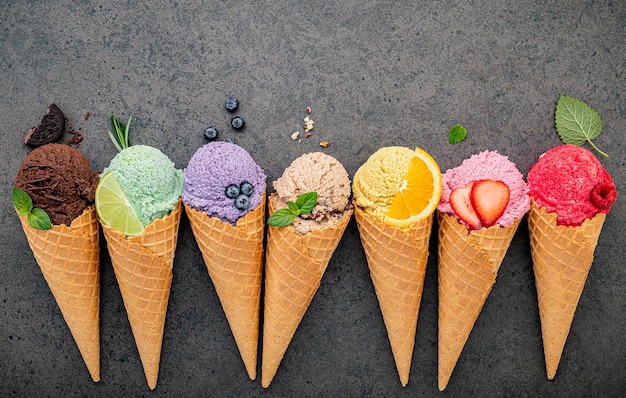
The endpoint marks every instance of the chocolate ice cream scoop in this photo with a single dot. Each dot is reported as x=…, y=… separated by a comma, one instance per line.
x=59, y=180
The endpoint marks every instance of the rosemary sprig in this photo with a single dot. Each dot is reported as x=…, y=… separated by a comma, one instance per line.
x=119, y=135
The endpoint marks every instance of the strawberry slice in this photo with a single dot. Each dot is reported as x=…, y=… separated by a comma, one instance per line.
x=462, y=205
x=489, y=199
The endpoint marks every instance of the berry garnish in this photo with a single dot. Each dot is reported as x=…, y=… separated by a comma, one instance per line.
x=242, y=202
x=231, y=104
x=603, y=195
x=462, y=206
x=237, y=122
x=489, y=199
x=246, y=188
x=232, y=191
x=210, y=133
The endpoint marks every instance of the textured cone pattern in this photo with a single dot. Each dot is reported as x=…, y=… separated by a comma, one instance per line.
x=234, y=259
x=293, y=271
x=69, y=260
x=468, y=266
x=143, y=268
x=562, y=257
x=397, y=261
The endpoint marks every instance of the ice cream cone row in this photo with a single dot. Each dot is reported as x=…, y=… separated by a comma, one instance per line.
x=69, y=261
x=294, y=268
x=562, y=257
x=468, y=266
x=233, y=256
x=397, y=262
x=143, y=268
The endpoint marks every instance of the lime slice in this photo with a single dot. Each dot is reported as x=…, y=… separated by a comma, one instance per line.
x=114, y=209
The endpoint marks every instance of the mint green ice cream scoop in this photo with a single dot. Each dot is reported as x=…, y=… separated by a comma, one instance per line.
x=149, y=180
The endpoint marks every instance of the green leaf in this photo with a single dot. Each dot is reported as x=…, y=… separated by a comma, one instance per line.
x=281, y=218
x=120, y=133
x=306, y=202
x=577, y=122
x=39, y=219
x=22, y=202
x=456, y=134
x=295, y=210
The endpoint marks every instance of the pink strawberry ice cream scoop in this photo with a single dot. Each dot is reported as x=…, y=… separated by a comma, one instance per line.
x=570, y=181
x=488, y=165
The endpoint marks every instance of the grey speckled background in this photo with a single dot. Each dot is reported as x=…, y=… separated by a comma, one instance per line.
x=375, y=74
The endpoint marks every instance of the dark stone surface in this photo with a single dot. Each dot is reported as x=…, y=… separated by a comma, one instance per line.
x=375, y=74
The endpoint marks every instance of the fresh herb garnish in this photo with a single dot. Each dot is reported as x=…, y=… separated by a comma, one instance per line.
x=37, y=218
x=303, y=205
x=119, y=135
x=577, y=122
x=456, y=134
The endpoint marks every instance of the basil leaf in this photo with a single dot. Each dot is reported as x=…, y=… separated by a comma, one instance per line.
x=281, y=218
x=306, y=202
x=456, y=134
x=22, y=202
x=39, y=219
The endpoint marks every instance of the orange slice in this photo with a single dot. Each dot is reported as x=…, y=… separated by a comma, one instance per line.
x=419, y=192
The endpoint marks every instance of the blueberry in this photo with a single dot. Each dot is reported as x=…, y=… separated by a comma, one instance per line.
x=237, y=122
x=210, y=133
x=242, y=202
x=246, y=188
x=232, y=191
x=231, y=104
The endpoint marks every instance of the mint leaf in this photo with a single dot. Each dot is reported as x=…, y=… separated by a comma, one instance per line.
x=39, y=219
x=456, y=134
x=281, y=218
x=306, y=202
x=22, y=202
x=303, y=205
x=295, y=210
x=577, y=122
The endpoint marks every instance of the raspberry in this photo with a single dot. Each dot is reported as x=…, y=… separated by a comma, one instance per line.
x=603, y=195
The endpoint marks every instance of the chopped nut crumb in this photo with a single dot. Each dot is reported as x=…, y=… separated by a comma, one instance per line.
x=324, y=144
x=307, y=135
x=295, y=135
x=308, y=109
x=308, y=124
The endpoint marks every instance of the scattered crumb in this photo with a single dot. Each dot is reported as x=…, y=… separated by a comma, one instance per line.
x=87, y=115
x=308, y=109
x=324, y=144
x=76, y=139
x=308, y=124
x=295, y=135
x=307, y=135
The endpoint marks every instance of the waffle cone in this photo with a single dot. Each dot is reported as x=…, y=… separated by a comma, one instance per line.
x=562, y=257
x=143, y=268
x=397, y=262
x=468, y=266
x=233, y=256
x=294, y=268
x=69, y=261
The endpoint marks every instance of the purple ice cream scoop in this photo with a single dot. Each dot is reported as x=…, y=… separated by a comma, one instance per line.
x=223, y=181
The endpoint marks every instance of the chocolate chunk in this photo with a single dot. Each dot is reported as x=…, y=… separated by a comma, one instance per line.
x=50, y=129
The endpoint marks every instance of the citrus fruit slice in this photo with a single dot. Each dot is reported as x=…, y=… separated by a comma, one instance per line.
x=114, y=209
x=419, y=193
